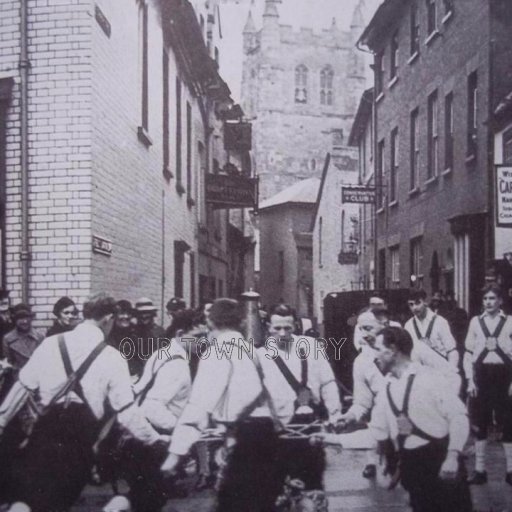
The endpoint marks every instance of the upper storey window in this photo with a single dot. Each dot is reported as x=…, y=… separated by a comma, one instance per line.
x=326, y=86
x=301, y=84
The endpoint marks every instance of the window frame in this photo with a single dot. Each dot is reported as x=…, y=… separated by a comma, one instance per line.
x=301, y=84
x=414, y=30
x=394, y=260
x=448, y=131
x=433, y=135
x=431, y=17
x=380, y=174
x=416, y=259
x=472, y=114
x=326, y=86
x=394, y=56
x=414, y=149
x=394, y=165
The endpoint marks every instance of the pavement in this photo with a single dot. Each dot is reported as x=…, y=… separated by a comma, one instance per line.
x=346, y=489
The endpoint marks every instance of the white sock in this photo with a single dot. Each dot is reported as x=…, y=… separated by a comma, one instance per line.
x=480, y=455
x=507, y=447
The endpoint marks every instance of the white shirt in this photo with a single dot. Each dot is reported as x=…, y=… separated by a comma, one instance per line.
x=223, y=388
x=320, y=381
x=476, y=340
x=166, y=398
x=368, y=382
x=107, y=378
x=434, y=407
x=441, y=339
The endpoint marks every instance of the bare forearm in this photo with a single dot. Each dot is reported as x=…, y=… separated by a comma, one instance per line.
x=13, y=402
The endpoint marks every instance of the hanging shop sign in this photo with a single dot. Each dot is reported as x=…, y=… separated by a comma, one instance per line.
x=237, y=136
x=504, y=196
x=231, y=191
x=364, y=195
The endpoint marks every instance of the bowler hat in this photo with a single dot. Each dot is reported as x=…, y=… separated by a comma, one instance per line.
x=175, y=304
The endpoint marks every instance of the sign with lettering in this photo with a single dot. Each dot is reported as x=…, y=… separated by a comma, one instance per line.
x=231, y=191
x=504, y=195
x=101, y=245
x=364, y=195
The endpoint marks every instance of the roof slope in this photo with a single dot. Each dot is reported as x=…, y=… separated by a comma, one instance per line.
x=305, y=191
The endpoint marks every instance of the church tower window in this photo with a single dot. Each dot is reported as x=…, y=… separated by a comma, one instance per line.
x=301, y=84
x=326, y=80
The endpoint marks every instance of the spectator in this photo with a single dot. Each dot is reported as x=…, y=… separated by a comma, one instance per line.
x=64, y=311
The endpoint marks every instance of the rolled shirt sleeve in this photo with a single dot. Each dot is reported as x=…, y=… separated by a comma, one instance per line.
x=363, y=396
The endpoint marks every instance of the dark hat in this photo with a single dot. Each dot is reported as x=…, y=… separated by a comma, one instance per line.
x=21, y=311
x=144, y=305
x=124, y=306
x=62, y=303
x=175, y=304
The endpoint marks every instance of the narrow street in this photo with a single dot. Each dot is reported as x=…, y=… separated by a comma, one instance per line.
x=347, y=490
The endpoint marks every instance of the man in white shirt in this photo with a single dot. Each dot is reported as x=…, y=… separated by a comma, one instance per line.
x=367, y=377
x=160, y=397
x=488, y=369
x=51, y=471
x=374, y=303
x=300, y=380
x=427, y=423
x=434, y=344
x=228, y=388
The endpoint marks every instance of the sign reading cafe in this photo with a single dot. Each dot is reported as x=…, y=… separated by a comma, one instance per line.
x=504, y=196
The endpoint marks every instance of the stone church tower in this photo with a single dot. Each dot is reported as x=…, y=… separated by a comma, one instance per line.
x=301, y=90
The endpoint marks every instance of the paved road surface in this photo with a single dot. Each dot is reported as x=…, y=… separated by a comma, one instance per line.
x=347, y=490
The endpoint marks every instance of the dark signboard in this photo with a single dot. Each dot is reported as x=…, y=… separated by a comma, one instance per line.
x=228, y=191
x=237, y=136
x=365, y=195
x=347, y=258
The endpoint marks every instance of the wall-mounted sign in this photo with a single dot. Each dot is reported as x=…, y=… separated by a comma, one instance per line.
x=101, y=245
x=504, y=196
x=348, y=258
x=228, y=191
x=237, y=136
x=102, y=20
x=354, y=194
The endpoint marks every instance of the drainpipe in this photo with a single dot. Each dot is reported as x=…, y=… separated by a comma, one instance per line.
x=24, y=68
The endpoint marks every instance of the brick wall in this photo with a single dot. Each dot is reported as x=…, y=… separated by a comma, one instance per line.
x=59, y=152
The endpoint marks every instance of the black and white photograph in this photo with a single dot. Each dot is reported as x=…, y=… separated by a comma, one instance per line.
x=255, y=255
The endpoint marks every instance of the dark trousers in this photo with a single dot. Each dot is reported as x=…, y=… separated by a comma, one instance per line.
x=50, y=472
x=140, y=466
x=492, y=381
x=250, y=479
x=429, y=493
x=299, y=459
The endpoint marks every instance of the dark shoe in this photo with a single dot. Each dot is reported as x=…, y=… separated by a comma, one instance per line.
x=478, y=478
x=370, y=471
x=204, y=482
x=508, y=478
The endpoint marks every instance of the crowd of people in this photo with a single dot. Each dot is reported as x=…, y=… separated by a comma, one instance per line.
x=114, y=396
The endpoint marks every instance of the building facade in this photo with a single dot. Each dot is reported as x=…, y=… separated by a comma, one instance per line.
x=110, y=119
x=300, y=88
x=286, y=253
x=439, y=68
x=336, y=232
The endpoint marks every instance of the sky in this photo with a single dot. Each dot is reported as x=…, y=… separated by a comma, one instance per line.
x=315, y=14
